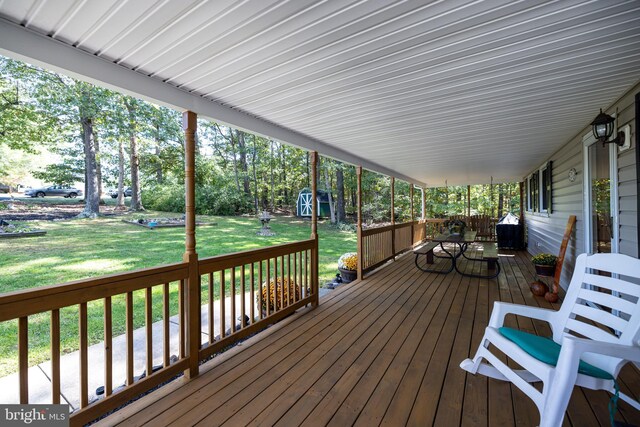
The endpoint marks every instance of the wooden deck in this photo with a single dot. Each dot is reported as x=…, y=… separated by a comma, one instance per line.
x=383, y=351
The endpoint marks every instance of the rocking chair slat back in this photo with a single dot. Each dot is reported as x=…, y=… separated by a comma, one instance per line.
x=613, y=284
x=593, y=310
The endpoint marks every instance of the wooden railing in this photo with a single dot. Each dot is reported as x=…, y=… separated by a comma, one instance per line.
x=226, y=275
x=483, y=224
x=257, y=287
x=380, y=244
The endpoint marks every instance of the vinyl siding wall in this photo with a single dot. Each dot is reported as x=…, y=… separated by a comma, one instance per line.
x=545, y=231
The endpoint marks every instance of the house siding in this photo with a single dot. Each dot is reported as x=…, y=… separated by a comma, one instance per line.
x=545, y=231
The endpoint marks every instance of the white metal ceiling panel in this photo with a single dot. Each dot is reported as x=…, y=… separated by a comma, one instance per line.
x=441, y=91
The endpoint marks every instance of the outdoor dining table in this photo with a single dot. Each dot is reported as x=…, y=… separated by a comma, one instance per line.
x=460, y=245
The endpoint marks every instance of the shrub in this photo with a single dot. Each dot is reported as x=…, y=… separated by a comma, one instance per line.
x=209, y=200
x=290, y=288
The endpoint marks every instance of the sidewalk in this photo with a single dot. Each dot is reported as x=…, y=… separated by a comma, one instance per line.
x=40, y=375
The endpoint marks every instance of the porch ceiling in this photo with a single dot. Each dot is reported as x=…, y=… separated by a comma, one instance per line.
x=452, y=90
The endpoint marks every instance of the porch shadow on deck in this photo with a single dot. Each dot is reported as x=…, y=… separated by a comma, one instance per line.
x=380, y=351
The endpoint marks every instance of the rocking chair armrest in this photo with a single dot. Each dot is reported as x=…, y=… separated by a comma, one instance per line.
x=501, y=309
x=578, y=346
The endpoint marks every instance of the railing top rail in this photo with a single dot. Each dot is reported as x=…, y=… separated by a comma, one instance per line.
x=221, y=262
x=405, y=224
x=383, y=228
x=33, y=301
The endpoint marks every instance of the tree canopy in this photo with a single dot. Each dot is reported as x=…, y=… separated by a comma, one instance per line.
x=109, y=140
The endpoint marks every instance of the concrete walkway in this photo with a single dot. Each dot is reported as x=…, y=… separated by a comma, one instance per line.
x=40, y=375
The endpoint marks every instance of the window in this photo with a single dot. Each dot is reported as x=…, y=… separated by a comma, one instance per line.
x=532, y=192
x=539, y=190
x=545, y=188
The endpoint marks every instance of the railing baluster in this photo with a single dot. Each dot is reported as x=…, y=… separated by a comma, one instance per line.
x=268, y=306
x=108, y=349
x=306, y=275
x=181, y=320
x=211, y=312
x=261, y=302
x=295, y=274
x=129, y=335
x=84, y=356
x=233, y=300
x=243, y=322
x=291, y=280
x=222, y=304
x=282, y=277
x=23, y=359
x=149, y=324
x=166, y=345
x=55, y=355
x=252, y=297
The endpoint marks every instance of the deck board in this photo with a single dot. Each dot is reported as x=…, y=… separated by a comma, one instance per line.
x=383, y=351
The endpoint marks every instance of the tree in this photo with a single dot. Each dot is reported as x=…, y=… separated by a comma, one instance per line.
x=132, y=106
x=340, y=193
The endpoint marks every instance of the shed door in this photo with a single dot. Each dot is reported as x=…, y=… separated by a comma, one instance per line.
x=305, y=204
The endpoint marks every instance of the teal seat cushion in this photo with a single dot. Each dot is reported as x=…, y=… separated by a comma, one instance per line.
x=546, y=350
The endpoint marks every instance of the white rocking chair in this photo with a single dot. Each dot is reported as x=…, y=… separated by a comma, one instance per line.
x=590, y=343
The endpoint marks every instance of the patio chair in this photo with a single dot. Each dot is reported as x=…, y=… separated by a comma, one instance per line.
x=589, y=345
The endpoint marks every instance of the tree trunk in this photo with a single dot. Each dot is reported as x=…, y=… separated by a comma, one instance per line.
x=242, y=146
x=500, y=200
x=159, y=177
x=120, y=201
x=91, y=197
x=285, y=192
x=98, y=168
x=308, y=172
x=273, y=188
x=235, y=162
x=255, y=176
x=340, y=191
x=136, y=200
x=332, y=210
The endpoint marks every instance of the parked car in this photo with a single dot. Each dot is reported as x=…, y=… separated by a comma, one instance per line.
x=4, y=188
x=54, y=190
x=114, y=193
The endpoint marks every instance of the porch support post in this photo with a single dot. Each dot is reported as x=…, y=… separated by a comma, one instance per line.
x=468, y=201
x=192, y=297
x=521, y=185
x=314, y=226
x=393, y=215
x=413, y=213
x=360, y=242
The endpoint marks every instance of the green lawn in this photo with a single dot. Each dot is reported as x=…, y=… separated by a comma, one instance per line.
x=76, y=249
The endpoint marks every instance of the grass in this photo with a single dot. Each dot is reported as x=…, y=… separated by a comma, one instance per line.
x=81, y=248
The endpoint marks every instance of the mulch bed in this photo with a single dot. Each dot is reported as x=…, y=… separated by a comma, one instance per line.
x=21, y=211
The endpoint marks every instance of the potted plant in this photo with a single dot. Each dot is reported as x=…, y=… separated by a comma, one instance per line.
x=545, y=264
x=348, y=266
x=456, y=227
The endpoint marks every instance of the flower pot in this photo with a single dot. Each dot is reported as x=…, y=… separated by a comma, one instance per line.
x=348, y=276
x=545, y=270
